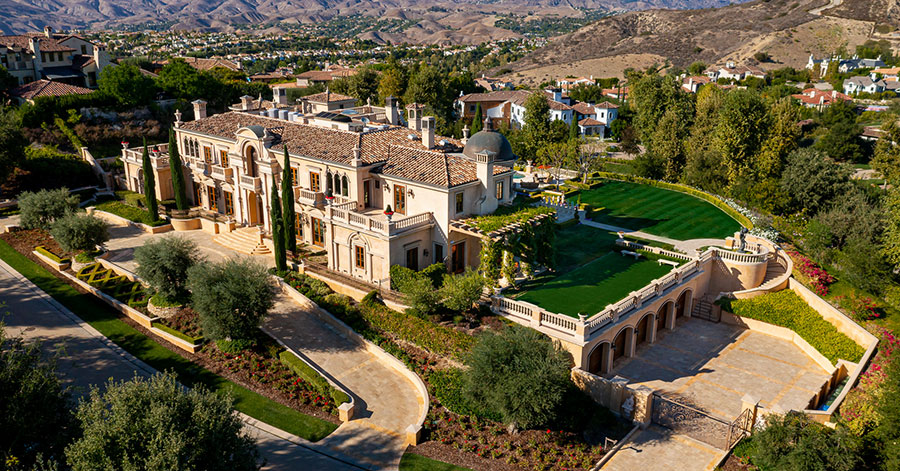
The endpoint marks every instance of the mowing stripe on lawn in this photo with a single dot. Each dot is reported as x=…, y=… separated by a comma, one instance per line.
x=106, y=320
x=414, y=462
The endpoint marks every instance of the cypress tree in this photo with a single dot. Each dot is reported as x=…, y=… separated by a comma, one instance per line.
x=177, y=173
x=287, y=199
x=477, y=124
x=573, y=128
x=278, y=231
x=149, y=185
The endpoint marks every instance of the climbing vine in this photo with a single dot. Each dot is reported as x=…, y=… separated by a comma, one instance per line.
x=490, y=260
x=534, y=243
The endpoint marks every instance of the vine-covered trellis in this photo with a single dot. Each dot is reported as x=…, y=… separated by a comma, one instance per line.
x=533, y=242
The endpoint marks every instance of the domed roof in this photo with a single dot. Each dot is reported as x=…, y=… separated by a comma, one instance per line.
x=490, y=141
x=257, y=129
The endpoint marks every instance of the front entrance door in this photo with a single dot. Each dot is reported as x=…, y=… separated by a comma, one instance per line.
x=252, y=208
x=412, y=258
x=458, y=257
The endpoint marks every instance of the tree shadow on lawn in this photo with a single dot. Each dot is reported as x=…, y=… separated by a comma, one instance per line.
x=605, y=216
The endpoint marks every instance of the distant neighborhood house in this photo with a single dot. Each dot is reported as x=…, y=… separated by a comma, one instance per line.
x=63, y=58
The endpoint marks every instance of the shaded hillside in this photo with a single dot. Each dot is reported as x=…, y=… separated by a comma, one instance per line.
x=877, y=11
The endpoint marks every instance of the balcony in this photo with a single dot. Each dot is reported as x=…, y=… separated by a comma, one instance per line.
x=375, y=221
x=159, y=155
x=225, y=174
x=253, y=184
x=309, y=197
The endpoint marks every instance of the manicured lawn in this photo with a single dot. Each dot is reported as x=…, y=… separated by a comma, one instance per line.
x=105, y=319
x=579, y=244
x=589, y=289
x=657, y=211
x=414, y=462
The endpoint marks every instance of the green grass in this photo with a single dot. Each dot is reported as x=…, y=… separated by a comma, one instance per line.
x=580, y=244
x=106, y=321
x=132, y=213
x=414, y=462
x=589, y=289
x=657, y=211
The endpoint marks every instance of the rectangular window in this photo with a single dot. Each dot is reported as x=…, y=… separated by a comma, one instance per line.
x=438, y=253
x=400, y=199
x=43, y=57
x=460, y=206
x=412, y=259
x=360, y=257
x=500, y=190
x=318, y=230
x=198, y=198
x=223, y=158
x=314, y=184
x=207, y=155
x=295, y=179
x=213, y=203
x=229, y=202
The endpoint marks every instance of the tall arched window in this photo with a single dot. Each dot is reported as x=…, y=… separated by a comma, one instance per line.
x=186, y=147
x=345, y=186
x=337, y=184
x=250, y=164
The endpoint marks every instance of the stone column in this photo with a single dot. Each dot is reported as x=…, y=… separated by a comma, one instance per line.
x=651, y=325
x=670, y=317
x=629, y=343
x=608, y=363
x=751, y=403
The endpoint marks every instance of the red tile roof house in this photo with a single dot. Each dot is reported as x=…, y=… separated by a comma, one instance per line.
x=820, y=99
x=347, y=172
x=42, y=88
x=56, y=57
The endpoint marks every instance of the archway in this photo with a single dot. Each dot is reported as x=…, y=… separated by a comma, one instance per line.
x=684, y=303
x=620, y=343
x=662, y=316
x=250, y=164
x=599, y=359
x=642, y=331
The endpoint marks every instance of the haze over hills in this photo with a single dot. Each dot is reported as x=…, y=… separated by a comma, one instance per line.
x=787, y=30
x=460, y=21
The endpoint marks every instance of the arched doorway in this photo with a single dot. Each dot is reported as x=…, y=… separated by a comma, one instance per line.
x=250, y=164
x=598, y=359
x=642, y=331
x=662, y=316
x=620, y=343
x=683, y=304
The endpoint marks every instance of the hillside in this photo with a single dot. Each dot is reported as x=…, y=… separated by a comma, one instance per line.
x=459, y=21
x=784, y=29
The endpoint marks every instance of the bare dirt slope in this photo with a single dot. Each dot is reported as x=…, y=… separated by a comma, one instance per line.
x=784, y=29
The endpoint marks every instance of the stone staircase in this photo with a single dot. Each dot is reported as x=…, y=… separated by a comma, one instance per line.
x=703, y=309
x=774, y=269
x=246, y=240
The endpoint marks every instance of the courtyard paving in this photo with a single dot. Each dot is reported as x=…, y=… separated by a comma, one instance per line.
x=712, y=366
x=659, y=449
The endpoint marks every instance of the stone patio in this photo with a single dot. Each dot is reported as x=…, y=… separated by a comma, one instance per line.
x=712, y=366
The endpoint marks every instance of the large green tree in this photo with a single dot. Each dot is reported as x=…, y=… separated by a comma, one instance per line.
x=34, y=405
x=183, y=81
x=157, y=425
x=12, y=142
x=477, y=120
x=811, y=180
x=887, y=163
x=164, y=264
x=39, y=210
x=536, y=128
x=842, y=142
x=127, y=85
x=502, y=366
x=427, y=86
x=742, y=124
x=651, y=95
x=277, y=223
x=287, y=199
x=363, y=85
x=177, y=172
x=782, y=139
x=149, y=184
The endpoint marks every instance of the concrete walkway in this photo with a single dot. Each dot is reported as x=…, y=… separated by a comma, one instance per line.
x=91, y=359
x=659, y=449
x=386, y=401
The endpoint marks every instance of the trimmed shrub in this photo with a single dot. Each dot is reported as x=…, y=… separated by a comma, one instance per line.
x=52, y=256
x=400, y=275
x=80, y=232
x=231, y=298
x=312, y=377
x=435, y=272
x=164, y=264
x=448, y=387
x=131, y=213
x=787, y=309
x=39, y=210
x=460, y=292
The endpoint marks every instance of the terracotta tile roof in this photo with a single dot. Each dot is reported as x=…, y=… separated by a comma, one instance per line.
x=814, y=96
x=23, y=41
x=499, y=96
x=326, y=75
x=328, y=97
x=584, y=108
x=207, y=64
x=607, y=105
x=40, y=88
x=81, y=61
x=591, y=122
x=555, y=105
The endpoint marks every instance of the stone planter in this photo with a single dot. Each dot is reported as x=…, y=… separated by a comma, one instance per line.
x=77, y=266
x=163, y=312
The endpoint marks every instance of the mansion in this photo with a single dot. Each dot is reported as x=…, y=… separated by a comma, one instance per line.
x=368, y=190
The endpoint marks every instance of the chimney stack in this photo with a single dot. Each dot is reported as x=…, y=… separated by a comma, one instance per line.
x=390, y=111
x=48, y=31
x=35, y=45
x=280, y=96
x=428, y=132
x=199, y=109
x=246, y=102
x=415, y=116
x=357, y=157
x=465, y=131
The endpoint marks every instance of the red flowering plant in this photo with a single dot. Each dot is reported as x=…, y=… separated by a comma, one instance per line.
x=861, y=308
x=859, y=409
x=818, y=277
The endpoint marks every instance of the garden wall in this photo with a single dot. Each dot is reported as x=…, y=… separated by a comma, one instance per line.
x=120, y=221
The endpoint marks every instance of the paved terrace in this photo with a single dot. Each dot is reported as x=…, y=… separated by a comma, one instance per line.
x=712, y=366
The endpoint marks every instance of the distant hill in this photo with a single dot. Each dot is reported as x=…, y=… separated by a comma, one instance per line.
x=786, y=30
x=458, y=21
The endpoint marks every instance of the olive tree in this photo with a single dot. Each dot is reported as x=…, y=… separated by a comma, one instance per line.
x=164, y=264
x=461, y=291
x=39, y=210
x=79, y=232
x=156, y=424
x=231, y=298
x=520, y=374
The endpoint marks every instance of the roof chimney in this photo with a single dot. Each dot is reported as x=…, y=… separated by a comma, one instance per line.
x=35, y=44
x=48, y=31
x=357, y=157
x=281, y=96
x=390, y=110
x=415, y=116
x=465, y=131
x=428, y=132
x=246, y=102
x=199, y=109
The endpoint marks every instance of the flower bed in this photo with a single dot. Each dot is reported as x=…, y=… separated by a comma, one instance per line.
x=787, y=309
x=312, y=377
x=817, y=276
x=859, y=409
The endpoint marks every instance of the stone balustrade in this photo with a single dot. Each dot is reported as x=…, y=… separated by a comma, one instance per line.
x=251, y=183
x=343, y=214
x=222, y=173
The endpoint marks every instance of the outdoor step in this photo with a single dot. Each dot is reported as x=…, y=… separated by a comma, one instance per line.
x=244, y=240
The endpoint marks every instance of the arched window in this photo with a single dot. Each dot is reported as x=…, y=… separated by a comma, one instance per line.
x=345, y=186
x=250, y=164
x=185, y=149
x=337, y=184
x=328, y=182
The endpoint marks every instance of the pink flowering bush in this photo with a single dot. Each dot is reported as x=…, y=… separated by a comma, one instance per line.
x=859, y=409
x=818, y=277
x=861, y=308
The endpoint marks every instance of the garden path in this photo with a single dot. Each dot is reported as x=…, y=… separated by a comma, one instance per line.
x=386, y=401
x=89, y=359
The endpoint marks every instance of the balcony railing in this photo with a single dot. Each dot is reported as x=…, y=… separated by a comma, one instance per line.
x=158, y=159
x=251, y=183
x=222, y=173
x=377, y=224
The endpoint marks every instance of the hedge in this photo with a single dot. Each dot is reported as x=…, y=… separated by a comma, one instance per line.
x=714, y=200
x=56, y=258
x=312, y=377
x=177, y=333
x=786, y=309
x=129, y=212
